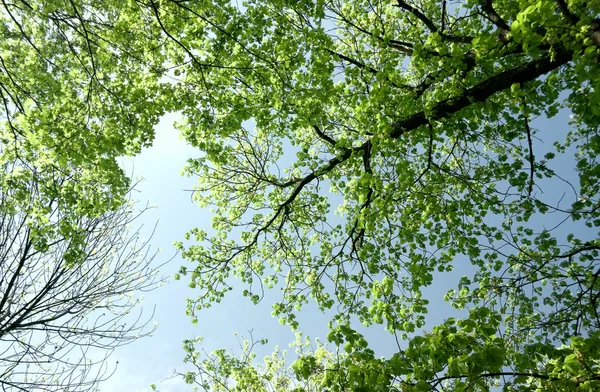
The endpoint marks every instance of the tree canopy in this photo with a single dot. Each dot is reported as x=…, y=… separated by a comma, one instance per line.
x=353, y=154
x=78, y=88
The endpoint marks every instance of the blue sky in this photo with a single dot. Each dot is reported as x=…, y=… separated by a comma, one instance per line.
x=154, y=359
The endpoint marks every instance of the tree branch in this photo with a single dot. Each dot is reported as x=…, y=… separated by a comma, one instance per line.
x=324, y=136
x=579, y=250
x=366, y=67
x=531, y=158
x=494, y=17
x=482, y=91
x=564, y=9
x=577, y=380
x=302, y=182
x=353, y=61
x=430, y=25
x=426, y=21
x=479, y=93
x=402, y=46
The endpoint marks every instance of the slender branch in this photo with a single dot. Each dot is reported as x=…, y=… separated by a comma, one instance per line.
x=402, y=46
x=429, y=155
x=331, y=164
x=181, y=4
x=579, y=250
x=430, y=25
x=353, y=61
x=426, y=21
x=366, y=67
x=531, y=157
x=194, y=59
x=24, y=256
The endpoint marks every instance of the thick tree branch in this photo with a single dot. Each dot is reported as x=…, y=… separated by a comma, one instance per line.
x=482, y=91
x=324, y=136
x=564, y=9
x=595, y=32
x=403, y=47
x=494, y=17
x=367, y=157
x=444, y=11
x=479, y=93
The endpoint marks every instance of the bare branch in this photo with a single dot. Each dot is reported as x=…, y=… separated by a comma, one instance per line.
x=56, y=310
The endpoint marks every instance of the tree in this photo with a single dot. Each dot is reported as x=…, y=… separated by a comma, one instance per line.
x=418, y=117
x=79, y=87
x=67, y=302
x=414, y=369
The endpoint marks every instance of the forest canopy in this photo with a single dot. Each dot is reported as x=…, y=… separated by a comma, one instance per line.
x=353, y=153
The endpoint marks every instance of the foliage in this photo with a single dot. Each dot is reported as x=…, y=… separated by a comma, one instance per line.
x=471, y=361
x=79, y=86
x=60, y=320
x=415, y=155
x=353, y=152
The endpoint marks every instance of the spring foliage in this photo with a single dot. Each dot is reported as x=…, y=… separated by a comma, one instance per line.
x=353, y=153
x=356, y=152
